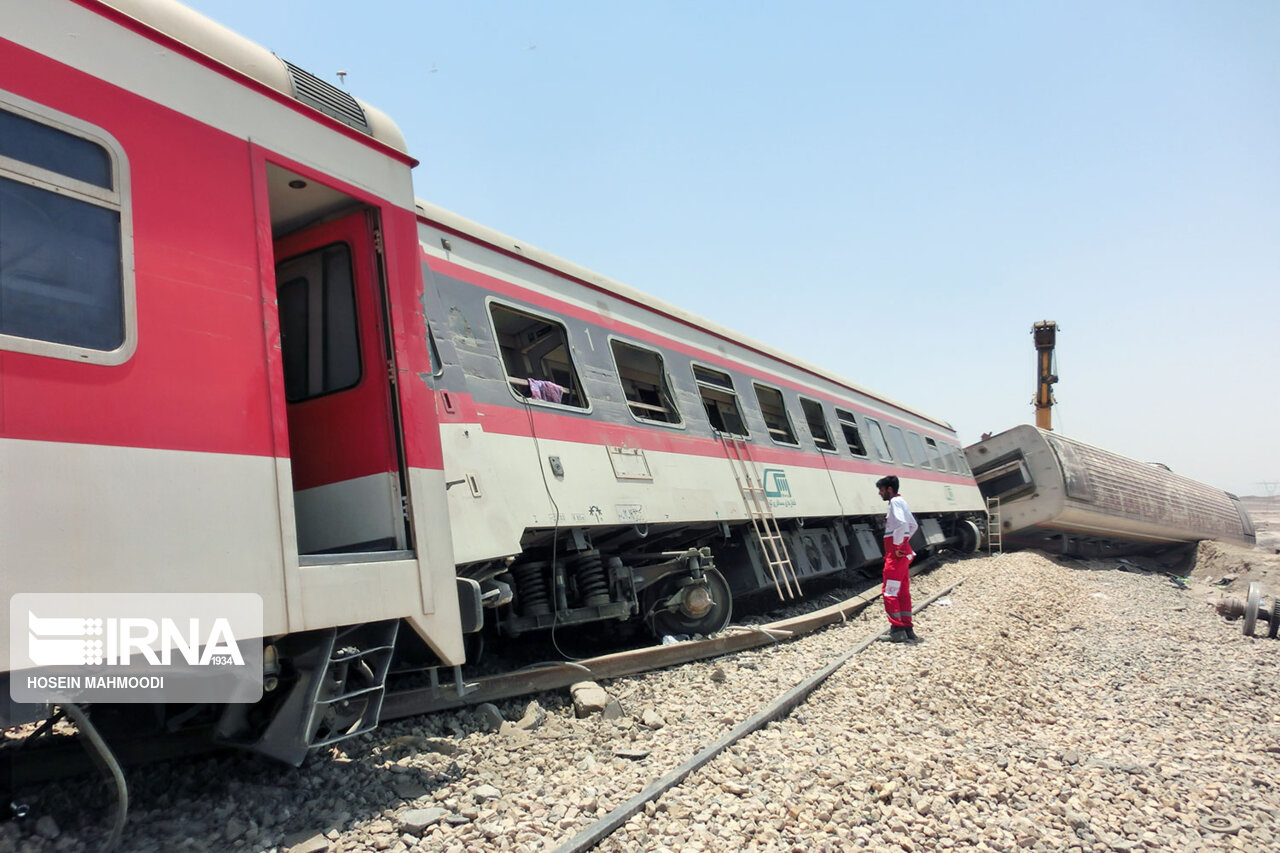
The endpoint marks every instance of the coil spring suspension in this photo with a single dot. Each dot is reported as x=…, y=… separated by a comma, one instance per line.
x=533, y=586
x=591, y=578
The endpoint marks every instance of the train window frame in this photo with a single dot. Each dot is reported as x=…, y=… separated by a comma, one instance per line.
x=848, y=420
x=938, y=459
x=916, y=445
x=878, y=442
x=901, y=452
x=822, y=422
x=86, y=196
x=518, y=382
x=317, y=352
x=665, y=394
x=781, y=430
x=720, y=393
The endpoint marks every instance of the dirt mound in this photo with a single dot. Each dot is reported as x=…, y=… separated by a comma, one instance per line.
x=1220, y=569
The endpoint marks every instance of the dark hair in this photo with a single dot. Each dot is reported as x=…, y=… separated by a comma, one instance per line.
x=891, y=481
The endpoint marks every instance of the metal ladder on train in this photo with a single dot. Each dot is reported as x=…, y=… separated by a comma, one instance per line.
x=995, y=545
x=747, y=474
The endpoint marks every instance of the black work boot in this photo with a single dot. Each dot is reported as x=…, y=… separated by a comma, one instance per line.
x=895, y=635
x=911, y=636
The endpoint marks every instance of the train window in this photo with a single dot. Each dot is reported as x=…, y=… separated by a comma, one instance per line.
x=899, y=444
x=877, y=440
x=319, y=344
x=720, y=400
x=853, y=438
x=644, y=383
x=775, y=414
x=535, y=354
x=817, y=422
x=66, y=238
x=948, y=452
x=935, y=455
x=917, y=449
x=1006, y=480
x=955, y=458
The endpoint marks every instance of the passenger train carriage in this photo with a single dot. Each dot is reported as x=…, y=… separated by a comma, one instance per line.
x=237, y=356
x=1061, y=494
x=641, y=450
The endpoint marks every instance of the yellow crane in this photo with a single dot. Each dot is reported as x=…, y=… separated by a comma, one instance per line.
x=1045, y=334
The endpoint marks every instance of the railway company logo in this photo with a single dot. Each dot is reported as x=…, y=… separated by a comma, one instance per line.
x=776, y=488
x=149, y=647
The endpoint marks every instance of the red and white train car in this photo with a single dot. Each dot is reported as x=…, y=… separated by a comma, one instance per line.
x=211, y=336
x=235, y=356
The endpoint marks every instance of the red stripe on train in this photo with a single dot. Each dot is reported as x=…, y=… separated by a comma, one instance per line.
x=554, y=425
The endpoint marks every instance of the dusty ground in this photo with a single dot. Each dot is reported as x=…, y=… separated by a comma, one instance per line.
x=1223, y=570
x=1214, y=571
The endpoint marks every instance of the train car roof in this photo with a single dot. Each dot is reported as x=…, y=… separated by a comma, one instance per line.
x=227, y=48
x=518, y=248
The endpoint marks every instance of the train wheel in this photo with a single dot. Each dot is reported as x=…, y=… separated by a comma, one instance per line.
x=968, y=537
x=697, y=609
x=1251, y=608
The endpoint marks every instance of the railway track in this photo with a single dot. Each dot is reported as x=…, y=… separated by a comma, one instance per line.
x=735, y=638
x=778, y=708
x=66, y=756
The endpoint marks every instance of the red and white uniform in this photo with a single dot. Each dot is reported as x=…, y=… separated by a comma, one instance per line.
x=899, y=526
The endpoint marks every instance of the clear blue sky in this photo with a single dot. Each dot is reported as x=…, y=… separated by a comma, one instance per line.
x=867, y=184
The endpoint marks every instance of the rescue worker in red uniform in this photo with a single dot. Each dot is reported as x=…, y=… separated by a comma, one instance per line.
x=899, y=526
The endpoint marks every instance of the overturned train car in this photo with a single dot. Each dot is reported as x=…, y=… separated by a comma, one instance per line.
x=1063, y=495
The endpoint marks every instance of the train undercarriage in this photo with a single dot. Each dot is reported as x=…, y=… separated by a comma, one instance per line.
x=322, y=687
x=681, y=578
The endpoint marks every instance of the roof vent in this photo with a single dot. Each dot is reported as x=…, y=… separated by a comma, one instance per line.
x=327, y=98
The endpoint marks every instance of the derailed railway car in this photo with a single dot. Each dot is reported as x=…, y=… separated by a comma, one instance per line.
x=593, y=435
x=210, y=337
x=237, y=357
x=1060, y=494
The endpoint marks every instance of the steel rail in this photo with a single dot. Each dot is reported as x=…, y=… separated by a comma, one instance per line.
x=411, y=703
x=780, y=707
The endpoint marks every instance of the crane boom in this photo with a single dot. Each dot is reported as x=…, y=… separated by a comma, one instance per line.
x=1045, y=334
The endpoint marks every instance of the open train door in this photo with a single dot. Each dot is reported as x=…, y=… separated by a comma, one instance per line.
x=348, y=478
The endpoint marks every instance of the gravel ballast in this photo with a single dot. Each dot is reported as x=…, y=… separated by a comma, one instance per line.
x=1054, y=705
